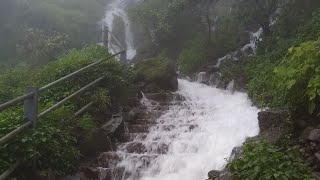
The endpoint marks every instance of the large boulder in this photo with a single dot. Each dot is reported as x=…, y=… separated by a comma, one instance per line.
x=311, y=134
x=158, y=73
x=272, y=126
x=101, y=139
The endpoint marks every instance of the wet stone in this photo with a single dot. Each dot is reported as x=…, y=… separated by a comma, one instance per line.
x=108, y=159
x=138, y=128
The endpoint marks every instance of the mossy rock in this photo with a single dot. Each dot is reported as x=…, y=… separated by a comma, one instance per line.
x=157, y=71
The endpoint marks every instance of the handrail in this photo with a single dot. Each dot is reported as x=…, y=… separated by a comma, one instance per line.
x=62, y=102
x=30, y=99
x=27, y=96
x=117, y=41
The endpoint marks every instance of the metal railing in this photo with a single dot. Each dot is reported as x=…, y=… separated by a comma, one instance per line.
x=31, y=97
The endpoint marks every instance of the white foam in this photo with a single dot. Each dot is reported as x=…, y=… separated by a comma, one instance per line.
x=223, y=121
x=118, y=8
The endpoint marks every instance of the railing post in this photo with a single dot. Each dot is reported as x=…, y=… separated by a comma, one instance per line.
x=123, y=57
x=31, y=106
x=105, y=36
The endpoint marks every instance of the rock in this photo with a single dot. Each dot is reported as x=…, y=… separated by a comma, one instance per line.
x=108, y=160
x=214, y=174
x=230, y=86
x=101, y=139
x=214, y=79
x=300, y=124
x=311, y=134
x=105, y=174
x=226, y=176
x=91, y=172
x=160, y=97
x=309, y=161
x=317, y=155
x=244, y=38
x=316, y=175
x=248, y=50
x=236, y=153
x=133, y=114
x=268, y=119
x=114, y=127
x=203, y=78
x=209, y=69
x=77, y=176
x=272, y=126
x=136, y=147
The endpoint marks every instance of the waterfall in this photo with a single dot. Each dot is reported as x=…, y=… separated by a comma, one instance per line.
x=201, y=132
x=255, y=37
x=119, y=8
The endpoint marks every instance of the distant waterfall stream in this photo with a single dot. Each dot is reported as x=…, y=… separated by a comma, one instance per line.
x=118, y=9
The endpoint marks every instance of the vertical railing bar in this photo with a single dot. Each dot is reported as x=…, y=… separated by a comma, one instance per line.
x=31, y=99
x=30, y=107
x=123, y=57
x=117, y=41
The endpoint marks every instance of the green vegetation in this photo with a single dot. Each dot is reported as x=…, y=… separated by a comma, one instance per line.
x=38, y=30
x=52, y=147
x=153, y=69
x=299, y=75
x=266, y=161
x=184, y=30
x=284, y=72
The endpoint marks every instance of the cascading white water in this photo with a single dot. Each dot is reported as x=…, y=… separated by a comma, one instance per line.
x=220, y=121
x=255, y=37
x=118, y=8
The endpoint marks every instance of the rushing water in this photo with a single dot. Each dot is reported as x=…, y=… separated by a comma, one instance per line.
x=221, y=120
x=119, y=8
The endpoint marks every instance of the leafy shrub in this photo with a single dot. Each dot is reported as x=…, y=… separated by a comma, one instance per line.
x=76, y=19
x=299, y=75
x=266, y=161
x=52, y=146
x=38, y=47
x=193, y=56
x=153, y=69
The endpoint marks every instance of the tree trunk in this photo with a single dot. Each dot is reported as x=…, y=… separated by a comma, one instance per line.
x=209, y=29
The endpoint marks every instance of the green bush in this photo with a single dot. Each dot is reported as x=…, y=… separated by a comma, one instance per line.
x=299, y=75
x=72, y=23
x=153, y=69
x=193, y=56
x=266, y=161
x=52, y=146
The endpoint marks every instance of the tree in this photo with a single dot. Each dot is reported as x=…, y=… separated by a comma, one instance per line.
x=210, y=17
x=258, y=12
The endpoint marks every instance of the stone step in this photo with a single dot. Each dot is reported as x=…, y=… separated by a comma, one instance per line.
x=163, y=96
x=160, y=127
x=127, y=137
x=148, y=115
x=143, y=122
x=143, y=147
x=171, y=127
x=113, y=159
x=138, y=128
x=173, y=103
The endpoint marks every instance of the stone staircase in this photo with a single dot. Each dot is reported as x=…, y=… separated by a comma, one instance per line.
x=135, y=151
